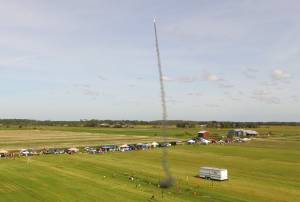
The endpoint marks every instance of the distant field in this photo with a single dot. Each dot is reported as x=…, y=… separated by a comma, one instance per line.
x=266, y=169
x=79, y=136
x=172, y=131
x=37, y=139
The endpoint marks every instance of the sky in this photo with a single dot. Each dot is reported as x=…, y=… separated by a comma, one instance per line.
x=223, y=60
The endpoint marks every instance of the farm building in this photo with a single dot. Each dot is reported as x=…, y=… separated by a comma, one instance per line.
x=242, y=132
x=203, y=134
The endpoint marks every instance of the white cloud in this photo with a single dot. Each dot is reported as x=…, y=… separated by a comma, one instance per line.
x=212, y=77
x=279, y=74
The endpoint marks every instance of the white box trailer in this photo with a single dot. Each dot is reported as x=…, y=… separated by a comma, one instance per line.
x=213, y=173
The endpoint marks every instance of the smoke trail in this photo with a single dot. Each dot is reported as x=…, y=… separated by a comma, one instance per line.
x=168, y=181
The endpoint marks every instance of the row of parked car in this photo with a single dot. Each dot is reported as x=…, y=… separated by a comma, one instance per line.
x=222, y=141
x=97, y=149
x=121, y=148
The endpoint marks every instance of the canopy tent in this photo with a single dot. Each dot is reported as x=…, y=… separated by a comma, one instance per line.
x=124, y=146
x=73, y=149
x=154, y=144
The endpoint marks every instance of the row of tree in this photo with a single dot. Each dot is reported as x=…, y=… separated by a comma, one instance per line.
x=116, y=123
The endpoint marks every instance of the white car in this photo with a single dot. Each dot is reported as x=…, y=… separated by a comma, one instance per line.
x=191, y=142
x=205, y=141
x=26, y=152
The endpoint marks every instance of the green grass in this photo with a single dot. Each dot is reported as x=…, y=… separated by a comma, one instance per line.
x=38, y=139
x=278, y=131
x=138, y=131
x=266, y=169
x=257, y=173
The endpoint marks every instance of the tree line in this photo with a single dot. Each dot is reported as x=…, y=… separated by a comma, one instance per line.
x=121, y=123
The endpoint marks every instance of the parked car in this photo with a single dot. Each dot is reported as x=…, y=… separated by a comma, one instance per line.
x=166, y=144
x=27, y=152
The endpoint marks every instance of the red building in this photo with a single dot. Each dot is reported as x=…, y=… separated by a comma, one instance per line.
x=204, y=134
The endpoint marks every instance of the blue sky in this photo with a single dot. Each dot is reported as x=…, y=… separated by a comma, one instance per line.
x=222, y=60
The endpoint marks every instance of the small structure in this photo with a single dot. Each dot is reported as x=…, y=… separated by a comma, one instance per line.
x=242, y=132
x=104, y=125
x=213, y=173
x=124, y=148
x=203, y=134
x=251, y=133
x=154, y=144
x=109, y=148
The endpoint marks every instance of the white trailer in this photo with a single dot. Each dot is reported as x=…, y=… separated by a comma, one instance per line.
x=213, y=173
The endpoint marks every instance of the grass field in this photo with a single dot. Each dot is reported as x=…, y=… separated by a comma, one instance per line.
x=266, y=169
x=38, y=139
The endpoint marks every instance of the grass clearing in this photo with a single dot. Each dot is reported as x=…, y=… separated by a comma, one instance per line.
x=266, y=169
x=38, y=139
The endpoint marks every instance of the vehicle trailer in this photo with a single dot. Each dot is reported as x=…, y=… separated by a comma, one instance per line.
x=213, y=173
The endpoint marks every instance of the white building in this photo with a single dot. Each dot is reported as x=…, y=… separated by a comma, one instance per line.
x=242, y=132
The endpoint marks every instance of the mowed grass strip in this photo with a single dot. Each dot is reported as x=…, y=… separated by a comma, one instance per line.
x=256, y=174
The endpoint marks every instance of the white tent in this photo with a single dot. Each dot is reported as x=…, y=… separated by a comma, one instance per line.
x=154, y=144
x=73, y=149
x=124, y=147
